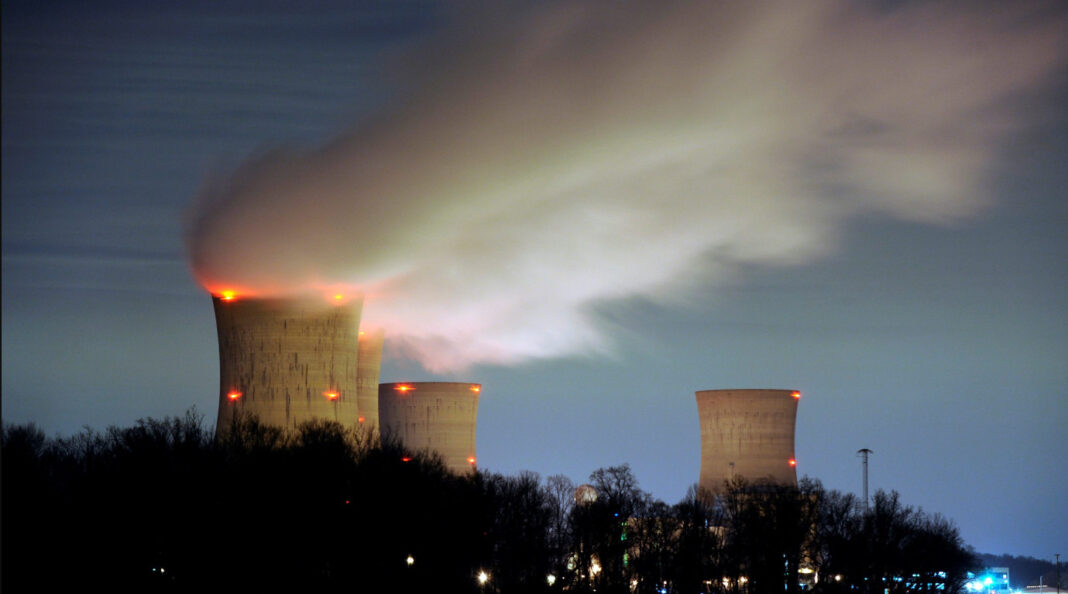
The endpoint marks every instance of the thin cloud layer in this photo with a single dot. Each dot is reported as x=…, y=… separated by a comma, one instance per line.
x=548, y=160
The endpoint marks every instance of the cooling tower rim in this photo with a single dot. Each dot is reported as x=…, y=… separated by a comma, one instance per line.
x=428, y=384
x=749, y=391
x=289, y=303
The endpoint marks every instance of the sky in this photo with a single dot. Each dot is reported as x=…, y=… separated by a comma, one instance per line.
x=594, y=210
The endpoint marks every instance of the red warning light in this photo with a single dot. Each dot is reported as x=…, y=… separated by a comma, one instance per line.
x=476, y=388
x=330, y=395
x=228, y=295
x=406, y=459
x=403, y=388
x=360, y=419
x=234, y=395
x=796, y=395
x=471, y=460
x=792, y=462
x=338, y=297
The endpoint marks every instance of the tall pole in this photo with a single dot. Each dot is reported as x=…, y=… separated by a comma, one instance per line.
x=864, y=453
x=1058, y=556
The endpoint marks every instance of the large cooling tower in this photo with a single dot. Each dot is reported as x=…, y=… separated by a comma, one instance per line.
x=747, y=433
x=287, y=361
x=369, y=365
x=436, y=416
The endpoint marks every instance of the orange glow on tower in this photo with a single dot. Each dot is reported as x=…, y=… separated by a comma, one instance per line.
x=228, y=295
x=406, y=459
x=476, y=388
x=234, y=395
x=404, y=388
x=471, y=460
x=360, y=419
x=792, y=462
x=796, y=395
x=330, y=395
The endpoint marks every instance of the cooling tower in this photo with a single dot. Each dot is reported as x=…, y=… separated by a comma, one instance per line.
x=435, y=416
x=287, y=361
x=369, y=363
x=747, y=433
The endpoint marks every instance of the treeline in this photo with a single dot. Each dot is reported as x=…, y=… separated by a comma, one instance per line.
x=165, y=507
x=1027, y=571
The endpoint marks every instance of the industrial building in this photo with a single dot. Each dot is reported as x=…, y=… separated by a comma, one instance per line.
x=288, y=361
x=747, y=433
x=432, y=416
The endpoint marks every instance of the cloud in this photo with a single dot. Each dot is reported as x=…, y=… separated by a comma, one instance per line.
x=546, y=159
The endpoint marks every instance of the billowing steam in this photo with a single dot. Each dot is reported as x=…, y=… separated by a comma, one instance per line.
x=548, y=160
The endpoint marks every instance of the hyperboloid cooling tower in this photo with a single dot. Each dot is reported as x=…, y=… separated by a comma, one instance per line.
x=436, y=416
x=369, y=366
x=287, y=361
x=747, y=433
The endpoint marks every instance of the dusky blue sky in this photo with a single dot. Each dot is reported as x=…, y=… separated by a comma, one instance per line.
x=942, y=347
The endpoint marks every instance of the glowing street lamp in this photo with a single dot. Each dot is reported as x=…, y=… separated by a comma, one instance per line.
x=410, y=560
x=483, y=577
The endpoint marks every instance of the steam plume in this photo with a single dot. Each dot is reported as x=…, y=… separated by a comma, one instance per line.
x=579, y=152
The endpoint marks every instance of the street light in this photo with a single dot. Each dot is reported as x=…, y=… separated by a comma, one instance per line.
x=551, y=579
x=483, y=577
x=410, y=560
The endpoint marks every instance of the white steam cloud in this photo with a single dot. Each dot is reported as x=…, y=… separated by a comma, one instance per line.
x=548, y=160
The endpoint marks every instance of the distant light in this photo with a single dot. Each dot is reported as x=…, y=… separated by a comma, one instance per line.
x=228, y=295
x=796, y=395
x=792, y=462
x=360, y=419
x=348, y=501
x=338, y=297
x=551, y=579
x=406, y=459
x=234, y=395
x=471, y=460
x=330, y=395
x=403, y=388
x=476, y=388
x=410, y=560
x=806, y=570
x=361, y=333
x=483, y=577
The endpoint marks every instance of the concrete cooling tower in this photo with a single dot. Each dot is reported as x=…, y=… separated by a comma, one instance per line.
x=369, y=364
x=288, y=361
x=435, y=416
x=747, y=433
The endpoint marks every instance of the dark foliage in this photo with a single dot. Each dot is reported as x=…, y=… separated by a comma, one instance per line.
x=164, y=506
